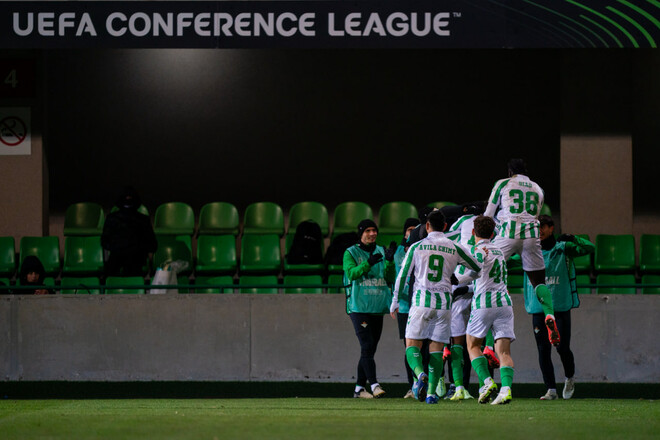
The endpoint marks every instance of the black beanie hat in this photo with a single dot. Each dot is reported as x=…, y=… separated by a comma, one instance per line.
x=412, y=221
x=364, y=224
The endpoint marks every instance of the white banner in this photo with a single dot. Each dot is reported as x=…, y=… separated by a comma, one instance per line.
x=15, y=131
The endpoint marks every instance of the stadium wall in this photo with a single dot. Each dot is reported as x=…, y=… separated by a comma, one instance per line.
x=273, y=338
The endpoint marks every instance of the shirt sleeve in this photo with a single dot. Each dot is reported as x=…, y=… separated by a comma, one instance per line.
x=353, y=270
x=579, y=247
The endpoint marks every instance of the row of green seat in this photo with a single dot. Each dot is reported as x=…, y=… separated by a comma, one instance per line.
x=605, y=284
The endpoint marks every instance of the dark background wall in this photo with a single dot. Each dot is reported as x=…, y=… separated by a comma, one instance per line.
x=332, y=125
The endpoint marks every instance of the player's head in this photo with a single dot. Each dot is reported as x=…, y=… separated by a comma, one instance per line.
x=367, y=231
x=546, y=226
x=484, y=226
x=517, y=166
x=435, y=221
x=475, y=208
x=409, y=225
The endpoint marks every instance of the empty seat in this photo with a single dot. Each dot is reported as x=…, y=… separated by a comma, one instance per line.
x=7, y=257
x=386, y=239
x=347, y=215
x=173, y=248
x=516, y=283
x=303, y=284
x=174, y=218
x=218, y=218
x=5, y=282
x=260, y=254
x=309, y=211
x=615, y=253
x=83, y=256
x=545, y=210
x=85, y=218
x=216, y=254
x=119, y=285
x=336, y=280
x=47, y=249
x=263, y=218
x=649, y=253
x=581, y=281
x=224, y=280
x=584, y=263
x=258, y=284
x=440, y=204
x=301, y=268
x=651, y=284
x=80, y=285
x=392, y=216
x=617, y=284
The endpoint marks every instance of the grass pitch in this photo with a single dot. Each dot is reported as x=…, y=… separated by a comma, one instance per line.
x=326, y=418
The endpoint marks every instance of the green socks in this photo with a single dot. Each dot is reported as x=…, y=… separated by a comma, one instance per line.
x=435, y=371
x=545, y=298
x=414, y=358
x=506, y=375
x=490, y=341
x=457, y=364
x=480, y=366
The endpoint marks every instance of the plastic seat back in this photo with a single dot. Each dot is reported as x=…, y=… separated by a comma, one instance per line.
x=582, y=280
x=392, y=216
x=7, y=257
x=174, y=218
x=85, y=218
x=301, y=283
x=263, y=218
x=347, y=215
x=336, y=279
x=224, y=280
x=218, y=218
x=80, y=285
x=83, y=256
x=173, y=248
x=649, y=253
x=47, y=249
x=123, y=285
x=651, y=284
x=616, y=284
x=439, y=204
x=516, y=283
x=254, y=283
x=216, y=254
x=309, y=211
x=615, y=253
x=260, y=254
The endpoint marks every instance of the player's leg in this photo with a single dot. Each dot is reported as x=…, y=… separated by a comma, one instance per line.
x=376, y=328
x=565, y=353
x=504, y=335
x=364, y=338
x=545, y=360
x=434, y=391
x=402, y=319
x=534, y=265
x=480, y=365
x=416, y=333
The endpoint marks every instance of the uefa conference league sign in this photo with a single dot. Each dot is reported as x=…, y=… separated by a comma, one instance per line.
x=330, y=24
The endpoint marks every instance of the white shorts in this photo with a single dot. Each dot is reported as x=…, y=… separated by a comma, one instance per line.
x=460, y=313
x=427, y=323
x=500, y=319
x=528, y=248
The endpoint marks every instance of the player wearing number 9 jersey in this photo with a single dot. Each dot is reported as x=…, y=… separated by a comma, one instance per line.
x=515, y=203
x=432, y=261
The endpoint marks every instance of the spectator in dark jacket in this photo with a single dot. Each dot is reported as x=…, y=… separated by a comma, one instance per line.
x=32, y=274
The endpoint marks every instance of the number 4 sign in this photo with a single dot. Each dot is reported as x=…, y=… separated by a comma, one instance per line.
x=15, y=131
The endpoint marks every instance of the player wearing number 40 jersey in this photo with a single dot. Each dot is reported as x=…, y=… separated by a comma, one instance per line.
x=432, y=261
x=515, y=203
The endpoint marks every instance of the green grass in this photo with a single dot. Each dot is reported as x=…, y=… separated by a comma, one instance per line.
x=327, y=418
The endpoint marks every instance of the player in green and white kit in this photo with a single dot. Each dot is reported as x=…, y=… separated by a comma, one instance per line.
x=491, y=309
x=432, y=261
x=517, y=200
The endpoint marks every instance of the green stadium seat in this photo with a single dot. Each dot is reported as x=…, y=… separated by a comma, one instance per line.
x=142, y=210
x=385, y=239
x=85, y=218
x=545, y=210
x=439, y=204
x=83, y=256
x=255, y=281
x=581, y=280
x=263, y=218
x=291, y=281
x=647, y=282
x=216, y=254
x=615, y=253
x=218, y=218
x=47, y=249
x=123, y=285
x=174, y=218
x=260, y=254
x=583, y=264
x=347, y=215
x=392, y=216
x=621, y=283
x=515, y=283
x=7, y=257
x=4, y=282
x=80, y=285
x=649, y=253
x=301, y=268
x=48, y=281
x=308, y=211
x=336, y=280
x=173, y=248
x=209, y=280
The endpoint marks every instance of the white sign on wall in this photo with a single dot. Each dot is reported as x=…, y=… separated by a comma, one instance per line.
x=15, y=131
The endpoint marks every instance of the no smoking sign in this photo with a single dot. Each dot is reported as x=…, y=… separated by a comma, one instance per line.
x=15, y=136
